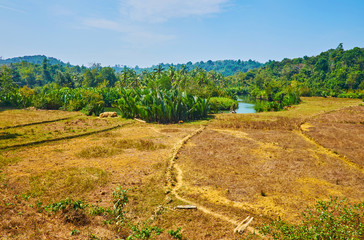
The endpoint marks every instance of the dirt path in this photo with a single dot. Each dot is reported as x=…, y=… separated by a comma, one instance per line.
x=175, y=182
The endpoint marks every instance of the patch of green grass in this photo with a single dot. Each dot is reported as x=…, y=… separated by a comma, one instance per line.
x=70, y=182
x=176, y=234
x=144, y=232
x=61, y=205
x=95, y=210
x=95, y=152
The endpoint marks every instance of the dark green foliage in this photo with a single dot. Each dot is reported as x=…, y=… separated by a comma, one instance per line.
x=169, y=93
x=89, y=101
x=225, y=67
x=223, y=103
x=176, y=234
x=161, y=106
x=36, y=59
x=331, y=73
x=327, y=220
x=144, y=232
x=62, y=205
x=75, y=232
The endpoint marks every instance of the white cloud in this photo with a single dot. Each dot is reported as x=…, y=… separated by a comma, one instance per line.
x=138, y=18
x=163, y=10
x=12, y=9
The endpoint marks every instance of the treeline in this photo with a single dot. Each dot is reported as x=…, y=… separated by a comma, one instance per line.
x=35, y=59
x=197, y=81
x=274, y=86
x=335, y=73
x=225, y=67
x=163, y=95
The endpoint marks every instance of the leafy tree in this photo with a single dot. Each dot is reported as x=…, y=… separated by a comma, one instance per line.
x=6, y=83
x=47, y=78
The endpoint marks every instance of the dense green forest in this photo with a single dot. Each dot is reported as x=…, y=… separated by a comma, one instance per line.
x=162, y=95
x=225, y=67
x=275, y=85
x=335, y=73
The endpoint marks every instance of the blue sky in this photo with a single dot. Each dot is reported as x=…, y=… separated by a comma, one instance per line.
x=148, y=32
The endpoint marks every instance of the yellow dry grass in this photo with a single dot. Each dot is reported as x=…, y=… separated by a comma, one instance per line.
x=262, y=165
x=88, y=168
x=14, y=117
x=54, y=130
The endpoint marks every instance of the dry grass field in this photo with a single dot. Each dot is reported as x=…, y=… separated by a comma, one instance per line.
x=262, y=165
x=16, y=117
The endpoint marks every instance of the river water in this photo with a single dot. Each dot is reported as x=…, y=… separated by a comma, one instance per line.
x=244, y=105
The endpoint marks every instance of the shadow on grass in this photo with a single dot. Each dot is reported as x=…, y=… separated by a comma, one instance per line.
x=2, y=109
x=195, y=121
x=6, y=135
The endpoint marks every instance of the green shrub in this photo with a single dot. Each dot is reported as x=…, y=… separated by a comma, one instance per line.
x=61, y=205
x=222, y=103
x=168, y=106
x=351, y=95
x=327, y=220
x=144, y=232
x=120, y=200
x=176, y=234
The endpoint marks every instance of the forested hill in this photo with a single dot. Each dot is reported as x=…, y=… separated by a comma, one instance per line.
x=225, y=67
x=36, y=59
x=332, y=73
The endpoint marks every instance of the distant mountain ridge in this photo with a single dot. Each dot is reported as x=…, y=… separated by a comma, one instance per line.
x=35, y=59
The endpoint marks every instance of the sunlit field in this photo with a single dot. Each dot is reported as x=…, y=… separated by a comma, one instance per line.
x=61, y=172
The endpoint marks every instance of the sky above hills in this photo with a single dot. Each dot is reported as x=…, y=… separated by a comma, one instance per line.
x=148, y=32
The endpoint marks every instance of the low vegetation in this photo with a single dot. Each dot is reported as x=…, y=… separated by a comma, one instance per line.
x=162, y=106
x=334, y=219
x=221, y=103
